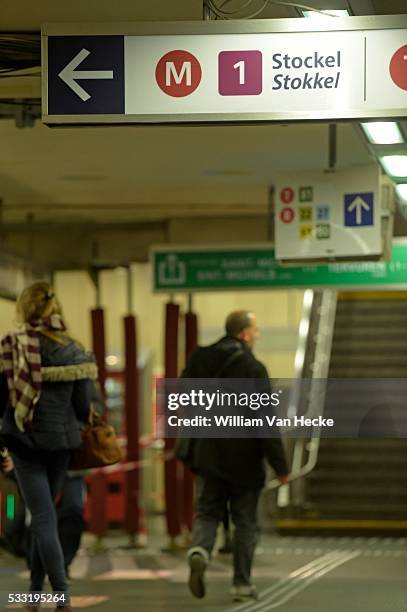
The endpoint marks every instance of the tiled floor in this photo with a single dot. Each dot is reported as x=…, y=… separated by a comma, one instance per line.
x=307, y=574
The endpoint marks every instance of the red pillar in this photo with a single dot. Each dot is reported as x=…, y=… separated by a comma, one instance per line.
x=191, y=332
x=97, y=504
x=98, y=493
x=191, y=341
x=132, y=489
x=172, y=496
x=99, y=348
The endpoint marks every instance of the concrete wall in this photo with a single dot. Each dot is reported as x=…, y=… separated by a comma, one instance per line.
x=7, y=316
x=278, y=314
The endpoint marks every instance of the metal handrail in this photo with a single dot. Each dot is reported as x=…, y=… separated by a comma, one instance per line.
x=300, y=473
x=320, y=371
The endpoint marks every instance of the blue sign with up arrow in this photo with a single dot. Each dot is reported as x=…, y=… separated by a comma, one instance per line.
x=85, y=75
x=358, y=209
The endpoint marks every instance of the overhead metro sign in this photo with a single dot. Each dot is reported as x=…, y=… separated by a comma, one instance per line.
x=227, y=268
x=259, y=70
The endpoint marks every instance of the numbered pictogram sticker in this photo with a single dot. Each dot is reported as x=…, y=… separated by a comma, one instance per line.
x=306, y=194
x=323, y=231
x=398, y=67
x=323, y=213
x=306, y=213
x=178, y=73
x=287, y=195
x=240, y=73
x=306, y=232
x=287, y=215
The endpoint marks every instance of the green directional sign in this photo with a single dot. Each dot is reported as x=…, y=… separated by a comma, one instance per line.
x=208, y=269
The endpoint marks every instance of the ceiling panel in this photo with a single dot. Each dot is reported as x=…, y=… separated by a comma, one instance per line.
x=150, y=171
x=26, y=15
x=390, y=7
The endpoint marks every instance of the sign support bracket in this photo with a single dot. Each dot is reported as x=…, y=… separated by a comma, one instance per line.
x=332, y=147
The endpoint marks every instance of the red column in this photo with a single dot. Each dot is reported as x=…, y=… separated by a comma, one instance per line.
x=98, y=493
x=172, y=496
x=132, y=489
x=97, y=504
x=191, y=341
x=191, y=332
x=99, y=348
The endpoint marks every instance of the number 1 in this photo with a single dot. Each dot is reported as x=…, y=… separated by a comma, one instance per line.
x=241, y=67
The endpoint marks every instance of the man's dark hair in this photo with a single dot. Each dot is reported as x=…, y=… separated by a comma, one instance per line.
x=237, y=321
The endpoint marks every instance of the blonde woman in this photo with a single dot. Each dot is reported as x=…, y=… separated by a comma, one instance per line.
x=45, y=387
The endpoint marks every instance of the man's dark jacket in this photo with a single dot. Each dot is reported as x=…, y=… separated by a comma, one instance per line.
x=239, y=461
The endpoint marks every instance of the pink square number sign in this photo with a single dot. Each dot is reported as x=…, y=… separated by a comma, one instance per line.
x=240, y=73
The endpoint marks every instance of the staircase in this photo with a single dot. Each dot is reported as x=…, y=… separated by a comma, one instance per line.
x=360, y=481
x=361, y=484
x=370, y=336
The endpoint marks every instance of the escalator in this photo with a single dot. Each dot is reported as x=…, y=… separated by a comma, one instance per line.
x=370, y=336
x=359, y=485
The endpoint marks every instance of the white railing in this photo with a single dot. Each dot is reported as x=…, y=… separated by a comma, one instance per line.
x=316, y=402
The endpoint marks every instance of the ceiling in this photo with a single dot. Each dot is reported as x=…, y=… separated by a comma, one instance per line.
x=111, y=174
x=150, y=174
x=28, y=16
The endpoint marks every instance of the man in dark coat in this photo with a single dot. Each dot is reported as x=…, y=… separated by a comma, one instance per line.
x=230, y=470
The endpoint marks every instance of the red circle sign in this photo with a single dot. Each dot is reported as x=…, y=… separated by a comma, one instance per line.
x=178, y=73
x=398, y=67
x=287, y=195
x=287, y=215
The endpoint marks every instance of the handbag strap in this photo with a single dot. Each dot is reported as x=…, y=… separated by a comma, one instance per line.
x=94, y=417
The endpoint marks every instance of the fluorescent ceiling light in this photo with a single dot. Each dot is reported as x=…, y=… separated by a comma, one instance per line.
x=395, y=165
x=383, y=132
x=328, y=13
x=402, y=192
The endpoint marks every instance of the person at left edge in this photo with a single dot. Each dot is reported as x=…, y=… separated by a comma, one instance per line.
x=45, y=387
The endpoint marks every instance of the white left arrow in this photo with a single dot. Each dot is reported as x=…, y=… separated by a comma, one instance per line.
x=359, y=204
x=70, y=75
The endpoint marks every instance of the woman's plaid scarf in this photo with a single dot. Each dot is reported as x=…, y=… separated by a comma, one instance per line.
x=20, y=353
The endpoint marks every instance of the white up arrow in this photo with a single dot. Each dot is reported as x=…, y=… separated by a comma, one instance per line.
x=69, y=75
x=359, y=205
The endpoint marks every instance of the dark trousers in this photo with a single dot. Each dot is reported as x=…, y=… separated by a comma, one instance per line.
x=212, y=497
x=41, y=480
x=71, y=523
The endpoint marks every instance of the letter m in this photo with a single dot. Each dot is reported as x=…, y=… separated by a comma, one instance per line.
x=171, y=71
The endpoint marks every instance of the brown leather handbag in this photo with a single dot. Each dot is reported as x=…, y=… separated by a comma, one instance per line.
x=100, y=446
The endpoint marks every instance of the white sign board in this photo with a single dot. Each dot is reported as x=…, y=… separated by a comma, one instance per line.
x=235, y=71
x=319, y=215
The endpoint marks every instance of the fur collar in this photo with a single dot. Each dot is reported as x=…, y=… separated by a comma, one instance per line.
x=69, y=373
